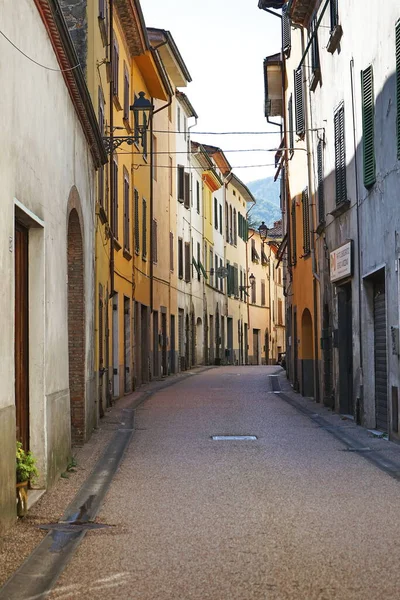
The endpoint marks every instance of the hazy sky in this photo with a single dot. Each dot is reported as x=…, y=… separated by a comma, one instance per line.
x=223, y=44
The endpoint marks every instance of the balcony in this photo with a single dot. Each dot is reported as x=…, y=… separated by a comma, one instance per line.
x=271, y=4
x=301, y=11
x=273, y=86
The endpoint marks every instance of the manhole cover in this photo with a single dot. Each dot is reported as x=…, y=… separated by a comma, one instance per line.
x=239, y=438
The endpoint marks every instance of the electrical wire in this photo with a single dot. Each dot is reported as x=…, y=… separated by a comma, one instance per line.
x=35, y=61
x=220, y=132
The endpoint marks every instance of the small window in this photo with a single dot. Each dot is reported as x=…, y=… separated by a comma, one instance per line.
x=368, y=121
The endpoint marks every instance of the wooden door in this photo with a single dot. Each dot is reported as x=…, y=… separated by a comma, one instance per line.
x=21, y=335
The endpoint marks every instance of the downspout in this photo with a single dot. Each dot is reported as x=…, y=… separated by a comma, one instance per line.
x=315, y=275
x=112, y=199
x=361, y=397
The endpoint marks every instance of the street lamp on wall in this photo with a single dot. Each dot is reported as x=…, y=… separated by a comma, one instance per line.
x=141, y=106
x=252, y=280
x=263, y=231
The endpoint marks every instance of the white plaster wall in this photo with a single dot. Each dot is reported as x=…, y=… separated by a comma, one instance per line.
x=45, y=155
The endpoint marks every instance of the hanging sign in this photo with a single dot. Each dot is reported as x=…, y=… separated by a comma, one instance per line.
x=341, y=262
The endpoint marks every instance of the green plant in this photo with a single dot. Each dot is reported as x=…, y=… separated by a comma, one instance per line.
x=25, y=465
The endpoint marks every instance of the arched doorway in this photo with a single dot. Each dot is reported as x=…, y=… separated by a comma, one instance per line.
x=307, y=354
x=76, y=328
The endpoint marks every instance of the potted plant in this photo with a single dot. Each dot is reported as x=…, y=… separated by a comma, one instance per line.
x=26, y=471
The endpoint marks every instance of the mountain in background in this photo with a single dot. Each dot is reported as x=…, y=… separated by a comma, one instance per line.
x=267, y=194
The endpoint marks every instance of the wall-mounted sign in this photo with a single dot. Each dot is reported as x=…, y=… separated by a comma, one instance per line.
x=341, y=262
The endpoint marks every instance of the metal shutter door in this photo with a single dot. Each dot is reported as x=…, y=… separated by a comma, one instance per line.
x=381, y=400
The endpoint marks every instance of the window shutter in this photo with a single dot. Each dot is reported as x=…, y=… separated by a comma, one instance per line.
x=368, y=118
x=294, y=233
x=320, y=175
x=291, y=124
x=171, y=251
x=299, y=101
x=144, y=228
x=181, y=183
x=137, y=239
x=187, y=261
x=286, y=32
x=398, y=85
x=126, y=215
x=236, y=281
x=198, y=196
x=115, y=202
x=220, y=219
x=187, y=190
x=234, y=227
x=126, y=95
x=154, y=240
x=180, y=258
x=263, y=293
x=340, y=156
x=215, y=213
x=306, y=222
x=334, y=14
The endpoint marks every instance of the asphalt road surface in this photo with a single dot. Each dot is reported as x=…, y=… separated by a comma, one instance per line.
x=290, y=515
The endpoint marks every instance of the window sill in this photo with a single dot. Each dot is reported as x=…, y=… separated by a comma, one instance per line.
x=341, y=208
x=334, y=40
x=127, y=254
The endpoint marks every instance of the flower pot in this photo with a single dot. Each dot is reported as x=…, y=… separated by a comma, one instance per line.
x=22, y=498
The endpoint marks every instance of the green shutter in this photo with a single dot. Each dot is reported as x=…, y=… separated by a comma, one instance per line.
x=368, y=116
x=398, y=86
x=340, y=156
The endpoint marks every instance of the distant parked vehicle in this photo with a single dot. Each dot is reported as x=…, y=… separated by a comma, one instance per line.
x=282, y=360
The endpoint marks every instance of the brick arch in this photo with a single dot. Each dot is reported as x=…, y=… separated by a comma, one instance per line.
x=76, y=326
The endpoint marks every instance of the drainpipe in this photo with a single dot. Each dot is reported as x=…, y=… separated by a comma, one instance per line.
x=360, y=399
x=315, y=275
x=112, y=199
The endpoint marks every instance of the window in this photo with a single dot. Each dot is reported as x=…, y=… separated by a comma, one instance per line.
x=226, y=222
x=340, y=156
x=291, y=125
x=179, y=118
x=181, y=183
x=216, y=213
x=154, y=156
x=198, y=261
x=184, y=127
x=299, y=101
x=220, y=219
x=115, y=66
x=115, y=201
x=254, y=292
x=211, y=266
x=187, y=190
x=101, y=169
x=241, y=285
x=234, y=227
x=221, y=279
x=306, y=222
x=320, y=177
x=198, y=196
x=334, y=14
x=230, y=225
x=171, y=251
x=294, y=233
x=154, y=240
x=127, y=244
x=180, y=258
x=398, y=85
x=135, y=124
x=230, y=282
x=236, y=281
x=137, y=233
x=254, y=254
x=263, y=293
x=144, y=228
x=216, y=269
x=126, y=95
x=280, y=312
x=286, y=32
x=187, y=262
x=315, y=64
x=170, y=171
x=368, y=122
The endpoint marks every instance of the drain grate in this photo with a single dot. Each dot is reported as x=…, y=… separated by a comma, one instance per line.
x=234, y=438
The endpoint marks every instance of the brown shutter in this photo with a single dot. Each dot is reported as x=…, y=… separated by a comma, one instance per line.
x=187, y=261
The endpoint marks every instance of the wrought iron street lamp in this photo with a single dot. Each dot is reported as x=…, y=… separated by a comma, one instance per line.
x=141, y=106
x=263, y=231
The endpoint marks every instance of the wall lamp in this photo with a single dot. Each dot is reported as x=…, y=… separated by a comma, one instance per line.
x=263, y=231
x=141, y=106
x=243, y=288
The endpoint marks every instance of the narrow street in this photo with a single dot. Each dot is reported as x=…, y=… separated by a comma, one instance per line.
x=289, y=515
